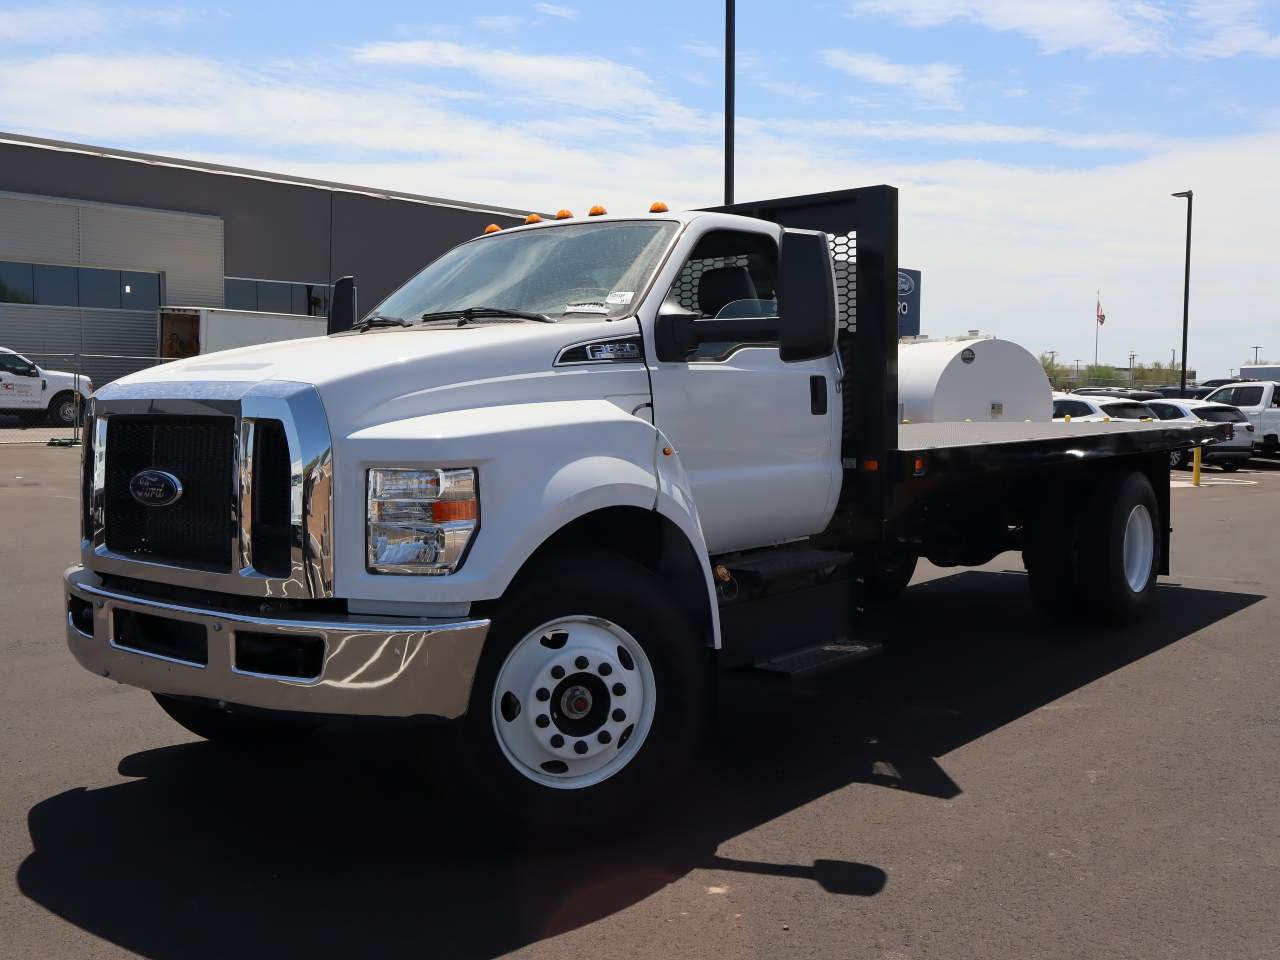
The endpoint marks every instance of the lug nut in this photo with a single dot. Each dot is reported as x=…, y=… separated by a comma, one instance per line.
x=543, y=720
x=557, y=672
x=605, y=669
x=619, y=690
x=619, y=715
x=580, y=747
x=557, y=741
x=582, y=663
x=543, y=694
x=604, y=736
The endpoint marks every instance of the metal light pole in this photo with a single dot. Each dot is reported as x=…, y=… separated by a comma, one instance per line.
x=1186, y=286
x=1131, y=356
x=728, y=102
x=1255, y=354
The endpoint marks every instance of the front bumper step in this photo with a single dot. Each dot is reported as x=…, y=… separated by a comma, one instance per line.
x=358, y=666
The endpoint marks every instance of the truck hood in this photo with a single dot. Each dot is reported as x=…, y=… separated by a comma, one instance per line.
x=384, y=374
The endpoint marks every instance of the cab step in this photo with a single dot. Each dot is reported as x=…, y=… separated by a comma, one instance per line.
x=809, y=661
x=775, y=564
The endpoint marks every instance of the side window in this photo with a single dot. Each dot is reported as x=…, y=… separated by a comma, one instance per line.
x=1275, y=396
x=1248, y=396
x=730, y=274
x=12, y=363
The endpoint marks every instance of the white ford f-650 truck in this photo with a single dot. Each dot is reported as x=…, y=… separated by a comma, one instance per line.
x=519, y=493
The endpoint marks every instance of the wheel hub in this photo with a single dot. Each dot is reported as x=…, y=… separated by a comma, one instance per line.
x=585, y=705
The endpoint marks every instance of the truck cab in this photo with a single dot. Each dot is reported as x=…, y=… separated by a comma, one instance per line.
x=517, y=496
x=37, y=394
x=1260, y=402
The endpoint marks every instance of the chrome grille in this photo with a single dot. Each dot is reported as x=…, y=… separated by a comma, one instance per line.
x=255, y=466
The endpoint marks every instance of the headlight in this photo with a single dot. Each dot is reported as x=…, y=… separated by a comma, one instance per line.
x=420, y=521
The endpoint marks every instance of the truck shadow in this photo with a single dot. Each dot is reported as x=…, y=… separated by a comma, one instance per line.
x=336, y=851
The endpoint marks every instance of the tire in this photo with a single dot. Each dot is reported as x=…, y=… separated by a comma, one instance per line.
x=1230, y=466
x=63, y=410
x=1120, y=537
x=228, y=728
x=888, y=576
x=549, y=743
x=1179, y=459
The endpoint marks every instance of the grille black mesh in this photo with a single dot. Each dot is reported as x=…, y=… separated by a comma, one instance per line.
x=195, y=531
x=272, y=526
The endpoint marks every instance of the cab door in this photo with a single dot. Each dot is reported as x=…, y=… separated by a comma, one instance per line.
x=20, y=383
x=758, y=437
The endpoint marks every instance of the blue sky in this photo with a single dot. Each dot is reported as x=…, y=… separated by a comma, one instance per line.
x=1035, y=143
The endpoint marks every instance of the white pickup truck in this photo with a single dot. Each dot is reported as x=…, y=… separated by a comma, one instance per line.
x=1260, y=402
x=518, y=495
x=37, y=394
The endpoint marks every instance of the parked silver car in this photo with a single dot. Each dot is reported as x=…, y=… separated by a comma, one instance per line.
x=1230, y=454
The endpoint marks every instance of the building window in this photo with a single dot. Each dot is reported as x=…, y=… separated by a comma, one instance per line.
x=276, y=296
x=100, y=288
x=139, y=291
x=17, y=285
x=56, y=286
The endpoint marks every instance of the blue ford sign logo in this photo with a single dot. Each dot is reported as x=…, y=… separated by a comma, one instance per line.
x=155, y=488
x=906, y=286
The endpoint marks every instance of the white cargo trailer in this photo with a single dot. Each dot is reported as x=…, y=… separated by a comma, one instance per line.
x=188, y=331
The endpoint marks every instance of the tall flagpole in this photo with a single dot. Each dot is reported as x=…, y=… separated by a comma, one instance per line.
x=1096, y=328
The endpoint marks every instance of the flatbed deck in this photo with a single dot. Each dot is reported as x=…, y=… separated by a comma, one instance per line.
x=988, y=446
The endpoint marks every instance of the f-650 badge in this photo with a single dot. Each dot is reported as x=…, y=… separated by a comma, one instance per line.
x=615, y=350
x=155, y=488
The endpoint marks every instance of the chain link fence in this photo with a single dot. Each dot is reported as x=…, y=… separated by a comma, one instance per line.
x=42, y=394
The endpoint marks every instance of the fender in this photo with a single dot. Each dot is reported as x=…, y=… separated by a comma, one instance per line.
x=540, y=466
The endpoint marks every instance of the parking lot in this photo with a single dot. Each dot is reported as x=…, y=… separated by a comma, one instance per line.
x=994, y=787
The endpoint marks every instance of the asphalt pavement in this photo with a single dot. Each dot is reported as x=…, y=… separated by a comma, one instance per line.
x=995, y=787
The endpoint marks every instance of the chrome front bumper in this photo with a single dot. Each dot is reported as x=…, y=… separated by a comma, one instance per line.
x=372, y=666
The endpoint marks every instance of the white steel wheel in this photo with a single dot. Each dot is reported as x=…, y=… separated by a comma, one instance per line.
x=1139, y=548
x=573, y=702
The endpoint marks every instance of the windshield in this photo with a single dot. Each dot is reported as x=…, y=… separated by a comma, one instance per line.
x=580, y=269
x=1131, y=410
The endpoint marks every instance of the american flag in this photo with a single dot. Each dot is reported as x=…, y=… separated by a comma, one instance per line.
x=1102, y=317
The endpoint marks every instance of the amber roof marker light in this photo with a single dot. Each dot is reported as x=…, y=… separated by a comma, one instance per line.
x=533, y=218
x=492, y=228
x=597, y=211
x=658, y=207
x=564, y=214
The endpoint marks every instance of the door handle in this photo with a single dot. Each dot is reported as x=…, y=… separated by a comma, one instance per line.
x=818, y=396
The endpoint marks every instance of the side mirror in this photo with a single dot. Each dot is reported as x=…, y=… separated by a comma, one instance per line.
x=806, y=296
x=342, y=305
x=673, y=331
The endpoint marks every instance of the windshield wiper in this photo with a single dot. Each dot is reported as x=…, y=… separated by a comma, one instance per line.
x=472, y=313
x=380, y=320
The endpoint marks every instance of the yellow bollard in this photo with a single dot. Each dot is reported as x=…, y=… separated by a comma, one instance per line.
x=1195, y=467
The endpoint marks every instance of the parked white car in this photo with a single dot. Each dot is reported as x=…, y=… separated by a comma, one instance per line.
x=1260, y=402
x=1229, y=454
x=35, y=393
x=1092, y=408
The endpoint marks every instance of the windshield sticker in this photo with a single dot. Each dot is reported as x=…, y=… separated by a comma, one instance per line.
x=620, y=296
x=587, y=306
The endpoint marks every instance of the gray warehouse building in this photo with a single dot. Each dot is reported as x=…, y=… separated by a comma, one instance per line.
x=95, y=243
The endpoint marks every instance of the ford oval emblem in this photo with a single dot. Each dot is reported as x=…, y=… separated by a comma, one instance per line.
x=906, y=286
x=155, y=488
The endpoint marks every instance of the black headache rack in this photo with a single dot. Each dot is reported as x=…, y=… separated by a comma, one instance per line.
x=885, y=463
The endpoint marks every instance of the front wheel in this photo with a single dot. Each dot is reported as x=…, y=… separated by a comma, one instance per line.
x=1230, y=466
x=591, y=695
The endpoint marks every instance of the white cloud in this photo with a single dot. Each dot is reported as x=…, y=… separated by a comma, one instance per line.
x=707, y=51
x=1227, y=28
x=1099, y=26
x=503, y=24
x=793, y=91
x=970, y=133
x=64, y=23
x=933, y=83
x=555, y=10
